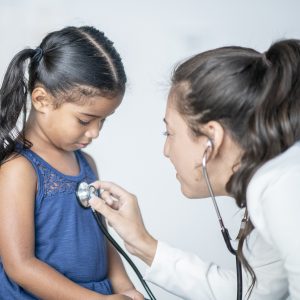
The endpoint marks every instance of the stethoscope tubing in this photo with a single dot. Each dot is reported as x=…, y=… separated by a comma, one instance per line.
x=239, y=277
x=98, y=219
x=224, y=230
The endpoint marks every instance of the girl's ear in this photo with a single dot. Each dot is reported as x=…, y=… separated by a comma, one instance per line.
x=41, y=100
x=215, y=131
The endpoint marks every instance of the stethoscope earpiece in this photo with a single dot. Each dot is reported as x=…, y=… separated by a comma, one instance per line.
x=209, y=144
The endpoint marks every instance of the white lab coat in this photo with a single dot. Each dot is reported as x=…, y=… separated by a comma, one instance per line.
x=273, y=198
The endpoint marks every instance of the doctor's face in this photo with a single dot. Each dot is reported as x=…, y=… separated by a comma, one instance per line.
x=185, y=151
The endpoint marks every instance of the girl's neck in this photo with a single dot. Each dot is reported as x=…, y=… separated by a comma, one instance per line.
x=63, y=161
x=34, y=134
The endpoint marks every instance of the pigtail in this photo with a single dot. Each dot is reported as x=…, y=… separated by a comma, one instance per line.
x=13, y=99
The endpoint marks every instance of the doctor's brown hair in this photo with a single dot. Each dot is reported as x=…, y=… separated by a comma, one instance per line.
x=254, y=96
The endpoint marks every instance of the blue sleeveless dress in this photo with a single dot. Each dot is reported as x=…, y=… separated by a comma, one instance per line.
x=67, y=236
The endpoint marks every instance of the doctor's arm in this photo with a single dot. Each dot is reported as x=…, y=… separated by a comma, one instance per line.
x=280, y=207
x=180, y=273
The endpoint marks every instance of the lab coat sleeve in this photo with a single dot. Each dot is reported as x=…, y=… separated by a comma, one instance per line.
x=187, y=276
x=280, y=206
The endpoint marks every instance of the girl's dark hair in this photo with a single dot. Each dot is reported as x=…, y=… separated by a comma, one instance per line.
x=256, y=98
x=74, y=61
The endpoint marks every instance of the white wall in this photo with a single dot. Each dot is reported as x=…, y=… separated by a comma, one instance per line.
x=152, y=36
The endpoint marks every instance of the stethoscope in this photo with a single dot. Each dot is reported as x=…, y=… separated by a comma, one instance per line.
x=84, y=193
x=224, y=230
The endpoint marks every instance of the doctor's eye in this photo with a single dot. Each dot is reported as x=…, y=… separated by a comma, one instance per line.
x=166, y=133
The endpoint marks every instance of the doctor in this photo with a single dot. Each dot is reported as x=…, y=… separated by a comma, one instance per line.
x=241, y=109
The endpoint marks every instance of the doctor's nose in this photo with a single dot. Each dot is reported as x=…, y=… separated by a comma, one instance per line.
x=166, y=148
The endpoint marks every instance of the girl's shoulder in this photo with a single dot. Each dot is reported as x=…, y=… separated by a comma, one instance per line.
x=90, y=161
x=17, y=165
x=16, y=173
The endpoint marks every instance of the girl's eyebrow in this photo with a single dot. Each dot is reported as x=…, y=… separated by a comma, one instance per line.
x=164, y=119
x=95, y=116
x=90, y=115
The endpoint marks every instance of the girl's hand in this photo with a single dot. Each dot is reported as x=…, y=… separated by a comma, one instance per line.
x=134, y=294
x=122, y=211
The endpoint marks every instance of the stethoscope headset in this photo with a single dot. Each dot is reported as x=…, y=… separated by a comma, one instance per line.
x=85, y=192
x=224, y=230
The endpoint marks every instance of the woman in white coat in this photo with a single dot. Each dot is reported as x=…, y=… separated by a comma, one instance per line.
x=240, y=109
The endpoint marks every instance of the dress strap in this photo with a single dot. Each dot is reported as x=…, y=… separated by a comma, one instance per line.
x=89, y=172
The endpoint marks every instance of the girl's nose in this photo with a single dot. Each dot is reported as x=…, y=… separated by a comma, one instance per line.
x=92, y=132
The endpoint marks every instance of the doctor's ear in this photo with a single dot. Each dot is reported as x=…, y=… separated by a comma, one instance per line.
x=215, y=133
x=42, y=100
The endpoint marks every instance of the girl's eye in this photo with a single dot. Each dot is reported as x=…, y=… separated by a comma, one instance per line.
x=84, y=123
x=166, y=133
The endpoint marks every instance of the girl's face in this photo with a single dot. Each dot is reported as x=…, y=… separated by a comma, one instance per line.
x=186, y=151
x=72, y=126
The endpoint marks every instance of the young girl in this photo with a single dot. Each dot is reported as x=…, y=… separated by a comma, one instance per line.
x=51, y=248
x=239, y=110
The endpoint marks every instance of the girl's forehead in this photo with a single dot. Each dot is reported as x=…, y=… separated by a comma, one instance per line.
x=97, y=106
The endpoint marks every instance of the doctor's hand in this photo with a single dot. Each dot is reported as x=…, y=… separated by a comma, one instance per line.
x=134, y=294
x=122, y=212
x=117, y=297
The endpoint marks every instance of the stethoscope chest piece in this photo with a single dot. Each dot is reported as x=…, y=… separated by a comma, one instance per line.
x=84, y=193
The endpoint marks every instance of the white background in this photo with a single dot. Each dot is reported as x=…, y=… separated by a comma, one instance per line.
x=152, y=36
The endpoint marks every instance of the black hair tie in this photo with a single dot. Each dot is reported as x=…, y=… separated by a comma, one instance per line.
x=38, y=54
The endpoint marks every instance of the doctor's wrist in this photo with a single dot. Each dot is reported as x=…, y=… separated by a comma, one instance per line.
x=145, y=249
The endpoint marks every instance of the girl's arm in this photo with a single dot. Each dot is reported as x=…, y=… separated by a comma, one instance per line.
x=116, y=271
x=17, y=193
x=117, y=274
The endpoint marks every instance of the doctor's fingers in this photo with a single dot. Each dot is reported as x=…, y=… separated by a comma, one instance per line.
x=110, y=200
x=114, y=189
x=99, y=205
